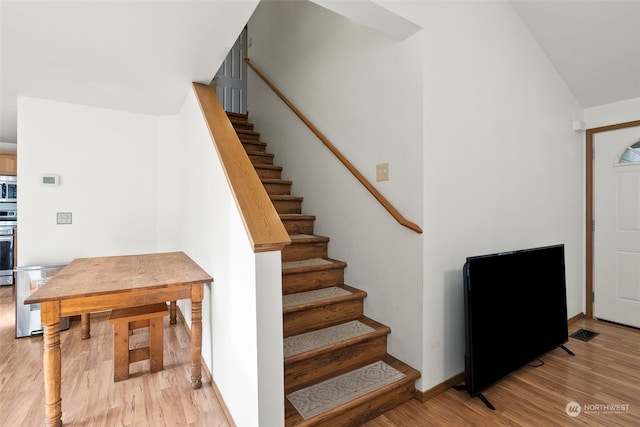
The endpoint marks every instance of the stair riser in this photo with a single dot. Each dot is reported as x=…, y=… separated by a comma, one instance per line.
x=253, y=146
x=269, y=173
x=309, y=281
x=298, y=226
x=300, y=251
x=303, y=321
x=277, y=188
x=260, y=159
x=253, y=136
x=240, y=117
x=367, y=410
x=242, y=126
x=288, y=206
x=309, y=371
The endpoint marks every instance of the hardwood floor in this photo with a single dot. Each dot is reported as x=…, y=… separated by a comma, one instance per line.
x=89, y=395
x=605, y=371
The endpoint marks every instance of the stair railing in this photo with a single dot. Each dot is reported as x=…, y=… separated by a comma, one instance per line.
x=374, y=192
x=261, y=221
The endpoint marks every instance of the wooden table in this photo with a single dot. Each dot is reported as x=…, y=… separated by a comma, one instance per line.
x=96, y=284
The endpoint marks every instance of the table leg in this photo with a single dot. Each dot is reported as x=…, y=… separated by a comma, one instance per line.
x=197, y=295
x=85, y=326
x=50, y=318
x=172, y=313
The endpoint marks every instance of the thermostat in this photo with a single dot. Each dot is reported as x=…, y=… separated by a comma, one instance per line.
x=50, y=179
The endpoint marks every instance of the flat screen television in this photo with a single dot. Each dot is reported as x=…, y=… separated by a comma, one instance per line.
x=515, y=311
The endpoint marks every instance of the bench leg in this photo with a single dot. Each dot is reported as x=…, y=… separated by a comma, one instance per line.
x=85, y=326
x=120, y=351
x=155, y=344
x=172, y=313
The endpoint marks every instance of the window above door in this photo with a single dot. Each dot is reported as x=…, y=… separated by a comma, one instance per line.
x=631, y=155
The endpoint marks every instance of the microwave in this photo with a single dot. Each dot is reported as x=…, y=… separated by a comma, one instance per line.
x=8, y=189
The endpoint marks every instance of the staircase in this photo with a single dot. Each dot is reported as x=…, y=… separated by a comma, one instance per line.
x=336, y=368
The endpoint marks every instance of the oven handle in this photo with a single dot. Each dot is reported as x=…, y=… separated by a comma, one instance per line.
x=6, y=238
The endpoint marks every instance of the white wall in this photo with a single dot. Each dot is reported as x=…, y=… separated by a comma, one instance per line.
x=611, y=114
x=242, y=310
x=476, y=125
x=106, y=163
x=362, y=89
x=502, y=168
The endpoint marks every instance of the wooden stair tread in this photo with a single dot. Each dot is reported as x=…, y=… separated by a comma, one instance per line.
x=271, y=167
x=262, y=144
x=237, y=115
x=326, y=340
x=361, y=409
x=260, y=153
x=280, y=197
x=313, y=264
x=307, y=238
x=247, y=133
x=275, y=181
x=239, y=120
x=241, y=125
x=285, y=217
x=318, y=297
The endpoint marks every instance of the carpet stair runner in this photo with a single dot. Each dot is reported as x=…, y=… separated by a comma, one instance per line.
x=337, y=370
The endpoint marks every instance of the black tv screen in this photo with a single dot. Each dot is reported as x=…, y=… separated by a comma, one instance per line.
x=515, y=311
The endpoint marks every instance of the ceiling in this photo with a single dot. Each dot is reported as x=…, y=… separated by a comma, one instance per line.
x=141, y=56
x=138, y=56
x=594, y=45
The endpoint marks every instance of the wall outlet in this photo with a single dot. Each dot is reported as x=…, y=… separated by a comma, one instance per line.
x=63, y=218
x=382, y=172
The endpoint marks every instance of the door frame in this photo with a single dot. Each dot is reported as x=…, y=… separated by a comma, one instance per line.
x=589, y=231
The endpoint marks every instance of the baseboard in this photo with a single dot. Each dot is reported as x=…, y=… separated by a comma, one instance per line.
x=423, y=396
x=207, y=374
x=575, y=318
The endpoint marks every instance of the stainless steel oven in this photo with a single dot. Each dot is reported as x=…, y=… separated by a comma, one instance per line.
x=8, y=222
x=8, y=189
x=6, y=255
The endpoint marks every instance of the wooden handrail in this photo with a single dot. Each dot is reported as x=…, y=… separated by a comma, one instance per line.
x=261, y=221
x=374, y=192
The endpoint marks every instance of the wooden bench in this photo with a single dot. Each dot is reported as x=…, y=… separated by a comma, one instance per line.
x=127, y=319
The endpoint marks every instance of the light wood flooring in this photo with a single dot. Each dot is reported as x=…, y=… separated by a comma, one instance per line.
x=89, y=395
x=605, y=371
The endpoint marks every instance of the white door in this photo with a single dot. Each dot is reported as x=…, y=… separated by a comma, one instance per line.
x=616, y=187
x=231, y=79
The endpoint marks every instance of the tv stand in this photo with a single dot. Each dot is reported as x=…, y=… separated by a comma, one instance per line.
x=567, y=350
x=480, y=396
x=486, y=402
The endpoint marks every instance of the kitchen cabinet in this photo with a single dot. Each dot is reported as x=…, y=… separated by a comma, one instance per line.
x=8, y=163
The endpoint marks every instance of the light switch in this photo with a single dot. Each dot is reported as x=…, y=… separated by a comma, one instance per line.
x=63, y=218
x=382, y=172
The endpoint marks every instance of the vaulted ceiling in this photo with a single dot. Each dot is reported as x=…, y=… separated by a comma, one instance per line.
x=594, y=45
x=142, y=56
